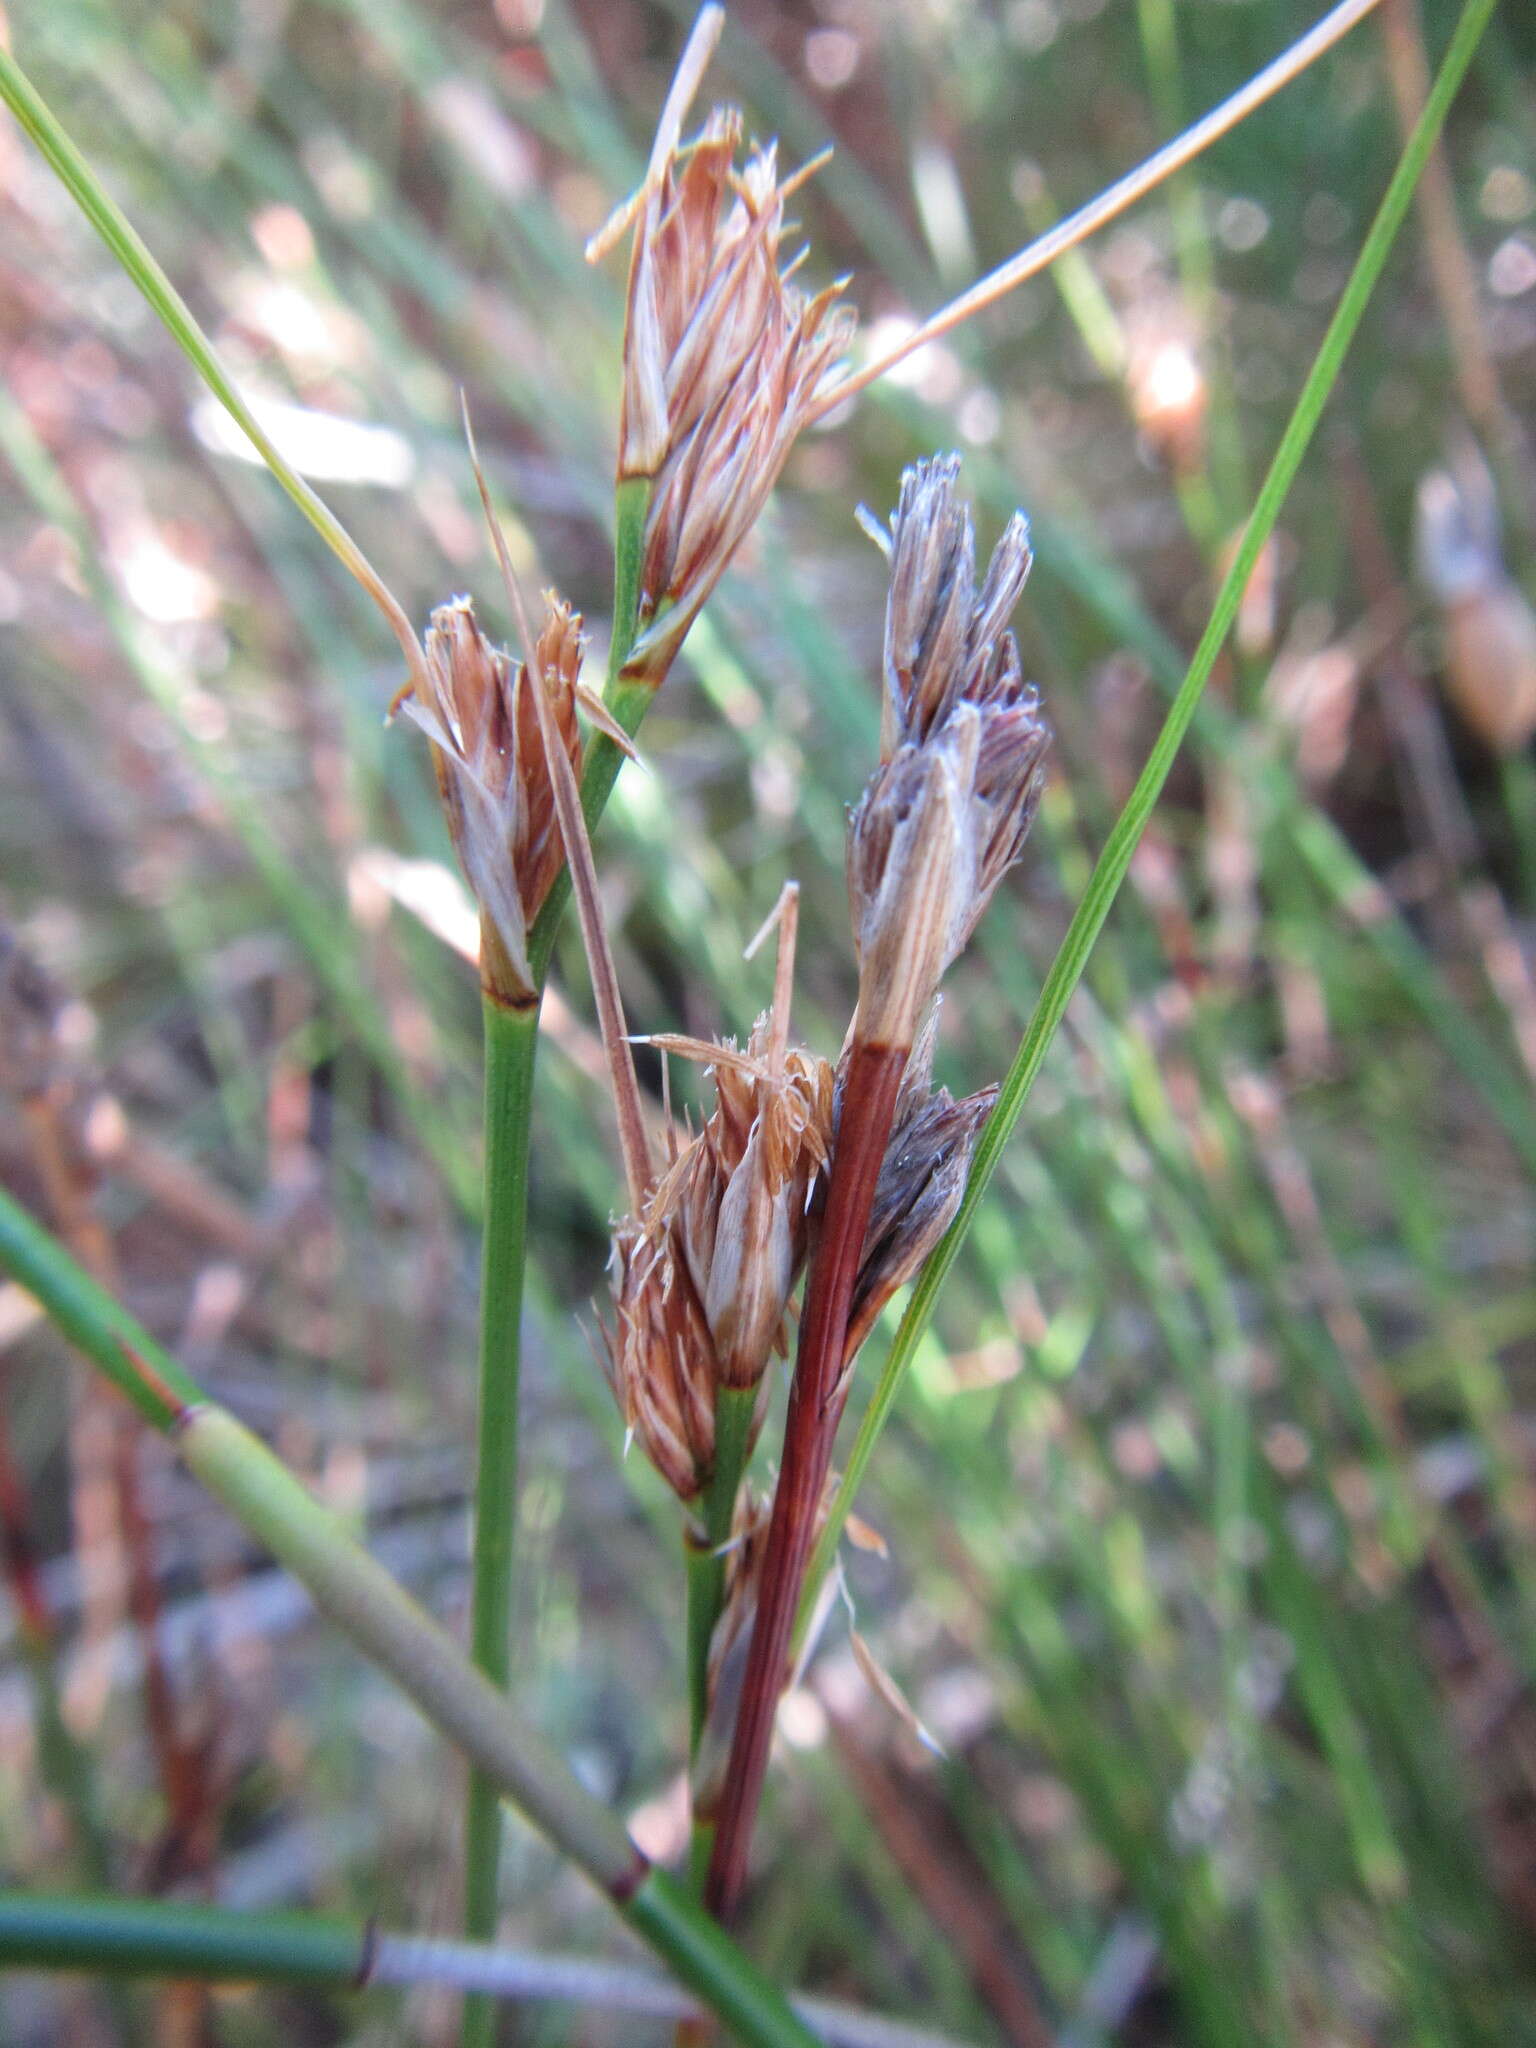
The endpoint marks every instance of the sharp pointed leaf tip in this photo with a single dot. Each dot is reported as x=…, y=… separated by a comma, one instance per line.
x=598, y=714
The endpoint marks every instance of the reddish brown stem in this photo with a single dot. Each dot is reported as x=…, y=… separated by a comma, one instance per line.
x=869, y=1105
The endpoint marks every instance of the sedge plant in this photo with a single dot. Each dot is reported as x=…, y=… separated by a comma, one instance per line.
x=851, y=1168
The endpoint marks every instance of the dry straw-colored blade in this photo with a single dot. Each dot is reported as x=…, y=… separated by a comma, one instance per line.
x=1124, y=193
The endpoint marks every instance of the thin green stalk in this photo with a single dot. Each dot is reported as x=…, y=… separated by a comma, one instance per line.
x=98, y=1935
x=706, y=1562
x=511, y=1039
x=511, y=1042
x=1104, y=884
x=388, y=1626
x=122, y=239
x=173, y=1938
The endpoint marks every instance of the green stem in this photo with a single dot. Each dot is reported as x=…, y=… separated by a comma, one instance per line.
x=1109, y=873
x=511, y=1042
x=159, y=1937
x=703, y=1956
x=705, y=1564
x=122, y=239
x=706, y=1561
x=511, y=1039
x=100, y=1936
x=388, y=1626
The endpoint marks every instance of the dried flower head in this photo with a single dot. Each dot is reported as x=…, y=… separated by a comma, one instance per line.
x=701, y=1282
x=703, y=1275
x=743, y=1218
x=659, y=1354
x=943, y=641
x=723, y=355
x=474, y=702
x=921, y=1181
x=962, y=742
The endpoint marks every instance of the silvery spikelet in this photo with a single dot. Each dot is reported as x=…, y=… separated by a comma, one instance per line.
x=927, y=1162
x=962, y=743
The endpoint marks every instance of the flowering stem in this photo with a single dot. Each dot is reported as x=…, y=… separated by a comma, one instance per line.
x=393, y=1632
x=706, y=1563
x=511, y=1038
x=1114, y=862
x=511, y=1041
x=869, y=1104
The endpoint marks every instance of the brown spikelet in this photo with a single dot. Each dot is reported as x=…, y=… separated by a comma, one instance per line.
x=921, y=1182
x=724, y=357
x=660, y=1355
x=745, y=1221
x=702, y=1282
x=474, y=704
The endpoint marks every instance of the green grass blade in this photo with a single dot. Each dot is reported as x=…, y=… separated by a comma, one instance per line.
x=123, y=240
x=1110, y=871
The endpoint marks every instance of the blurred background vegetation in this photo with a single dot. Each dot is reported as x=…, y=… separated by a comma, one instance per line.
x=1210, y=1509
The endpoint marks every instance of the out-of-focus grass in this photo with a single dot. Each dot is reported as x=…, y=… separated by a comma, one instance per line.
x=1211, y=1509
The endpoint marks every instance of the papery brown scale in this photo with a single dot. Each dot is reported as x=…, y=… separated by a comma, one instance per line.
x=767, y=1141
x=724, y=310
x=690, y=216
x=1010, y=777
x=539, y=853
x=660, y=1359
x=912, y=875
x=701, y=1286
x=715, y=478
x=932, y=592
x=921, y=1182
x=1007, y=573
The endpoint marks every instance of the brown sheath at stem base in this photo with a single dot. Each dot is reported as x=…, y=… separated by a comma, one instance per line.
x=869, y=1103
